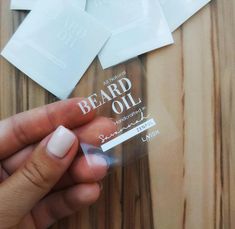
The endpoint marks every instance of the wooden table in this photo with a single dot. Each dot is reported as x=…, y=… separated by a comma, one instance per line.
x=191, y=183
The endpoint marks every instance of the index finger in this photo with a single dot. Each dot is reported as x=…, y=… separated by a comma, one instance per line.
x=31, y=126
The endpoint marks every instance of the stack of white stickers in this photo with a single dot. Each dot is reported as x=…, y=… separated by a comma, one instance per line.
x=177, y=12
x=59, y=39
x=22, y=4
x=28, y=4
x=137, y=26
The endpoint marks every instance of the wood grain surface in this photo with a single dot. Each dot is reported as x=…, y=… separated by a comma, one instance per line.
x=190, y=183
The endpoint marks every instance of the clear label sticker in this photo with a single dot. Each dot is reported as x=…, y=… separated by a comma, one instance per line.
x=120, y=93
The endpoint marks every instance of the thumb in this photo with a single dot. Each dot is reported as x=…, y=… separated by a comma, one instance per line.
x=20, y=192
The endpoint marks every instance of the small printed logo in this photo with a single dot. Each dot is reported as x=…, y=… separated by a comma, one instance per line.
x=150, y=136
x=71, y=32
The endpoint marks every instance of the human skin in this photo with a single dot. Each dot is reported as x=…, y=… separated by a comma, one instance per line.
x=37, y=187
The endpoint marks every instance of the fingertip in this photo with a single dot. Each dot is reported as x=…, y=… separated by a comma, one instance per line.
x=97, y=164
x=86, y=194
x=94, y=170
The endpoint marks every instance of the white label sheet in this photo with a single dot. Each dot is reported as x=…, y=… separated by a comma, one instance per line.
x=55, y=49
x=28, y=4
x=177, y=12
x=138, y=26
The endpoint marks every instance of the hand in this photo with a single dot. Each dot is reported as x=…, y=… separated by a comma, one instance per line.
x=43, y=174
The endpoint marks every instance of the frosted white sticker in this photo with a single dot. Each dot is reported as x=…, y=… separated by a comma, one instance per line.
x=28, y=4
x=137, y=26
x=22, y=4
x=177, y=12
x=55, y=45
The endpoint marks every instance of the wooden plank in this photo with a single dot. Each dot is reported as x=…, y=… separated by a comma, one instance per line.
x=184, y=190
x=166, y=161
x=199, y=122
x=224, y=24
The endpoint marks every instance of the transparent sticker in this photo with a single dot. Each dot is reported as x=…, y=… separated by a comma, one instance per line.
x=120, y=93
x=177, y=12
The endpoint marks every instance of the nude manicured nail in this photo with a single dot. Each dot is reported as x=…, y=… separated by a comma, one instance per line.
x=61, y=142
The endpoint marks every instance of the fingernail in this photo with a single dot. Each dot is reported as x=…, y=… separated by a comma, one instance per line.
x=61, y=142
